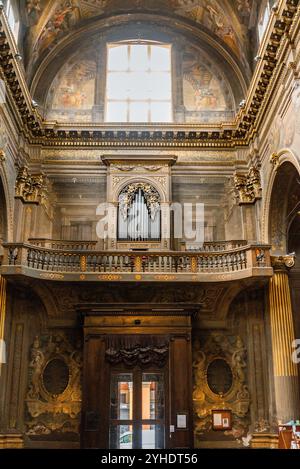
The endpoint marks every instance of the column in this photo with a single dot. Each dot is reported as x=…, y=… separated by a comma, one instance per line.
x=286, y=378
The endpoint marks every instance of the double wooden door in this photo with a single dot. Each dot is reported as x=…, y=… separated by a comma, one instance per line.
x=137, y=396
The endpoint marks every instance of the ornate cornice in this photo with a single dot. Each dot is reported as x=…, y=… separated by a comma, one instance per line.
x=228, y=135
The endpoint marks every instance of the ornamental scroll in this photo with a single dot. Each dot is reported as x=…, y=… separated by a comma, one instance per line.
x=127, y=196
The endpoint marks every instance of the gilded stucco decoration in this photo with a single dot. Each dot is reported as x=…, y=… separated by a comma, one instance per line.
x=31, y=188
x=237, y=399
x=53, y=399
x=151, y=195
x=248, y=187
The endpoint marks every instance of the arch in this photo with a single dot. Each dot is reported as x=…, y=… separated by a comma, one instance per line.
x=111, y=27
x=277, y=211
x=133, y=180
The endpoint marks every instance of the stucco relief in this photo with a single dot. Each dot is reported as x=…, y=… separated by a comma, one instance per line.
x=234, y=396
x=53, y=400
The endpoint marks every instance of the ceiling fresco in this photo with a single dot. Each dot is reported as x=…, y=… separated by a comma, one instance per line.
x=49, y=21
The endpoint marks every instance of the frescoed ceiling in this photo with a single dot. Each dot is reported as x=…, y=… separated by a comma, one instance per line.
x=49, y=21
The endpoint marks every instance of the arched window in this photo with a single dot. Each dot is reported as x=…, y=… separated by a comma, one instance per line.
x=138, y=83
x=139, y=213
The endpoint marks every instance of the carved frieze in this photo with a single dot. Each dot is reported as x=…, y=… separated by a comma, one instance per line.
x=232, y=394
x=53, y=399
x=248, y=187
x=138, y=355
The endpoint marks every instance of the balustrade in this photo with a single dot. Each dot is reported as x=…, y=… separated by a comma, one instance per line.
x=92, y=261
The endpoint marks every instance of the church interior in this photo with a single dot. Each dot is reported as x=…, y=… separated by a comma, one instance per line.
x=149, y=224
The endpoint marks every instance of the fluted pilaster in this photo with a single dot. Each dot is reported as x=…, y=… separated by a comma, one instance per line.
x=283, y=335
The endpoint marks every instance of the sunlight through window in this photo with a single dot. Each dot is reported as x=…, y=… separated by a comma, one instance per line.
x=139, y=85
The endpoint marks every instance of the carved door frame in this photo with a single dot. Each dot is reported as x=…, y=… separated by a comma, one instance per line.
x=176, y=329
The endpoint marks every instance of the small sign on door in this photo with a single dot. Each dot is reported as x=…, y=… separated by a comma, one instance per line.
x=181, y=421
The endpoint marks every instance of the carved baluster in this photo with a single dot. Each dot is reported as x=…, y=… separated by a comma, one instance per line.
x=56, y=262
x=155, y=263
x=47, y=260
x=127, y=263
x=29, y=258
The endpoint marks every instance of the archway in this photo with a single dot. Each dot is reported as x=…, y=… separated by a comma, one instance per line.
x=293, y=239
x=284, y=207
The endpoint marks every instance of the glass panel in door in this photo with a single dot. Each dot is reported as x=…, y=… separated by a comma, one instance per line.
x=153, y=411
x=121, y=411
x=137, y=410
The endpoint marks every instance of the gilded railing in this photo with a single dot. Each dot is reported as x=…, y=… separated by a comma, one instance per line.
x=92, y=261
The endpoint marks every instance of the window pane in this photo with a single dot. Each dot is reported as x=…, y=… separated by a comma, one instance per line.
x=160, y=58
x=121, y=395
x=153, y=396
x=116, y=111
x=118, y=57
x=140, y=85
x=138, y=112
x=139, y=58
x=152, y=437
x=120, y=437
x=138, y=88
x=161, y=112
x=119, y=85
x=161, y=86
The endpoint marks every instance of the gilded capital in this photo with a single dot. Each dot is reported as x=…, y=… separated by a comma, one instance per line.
x=283, y=263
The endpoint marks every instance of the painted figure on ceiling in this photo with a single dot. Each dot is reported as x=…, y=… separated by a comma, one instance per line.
x=62, y=20
x=34, y=10
x=211, y=15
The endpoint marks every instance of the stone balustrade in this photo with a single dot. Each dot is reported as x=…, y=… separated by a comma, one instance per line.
x=242, y=262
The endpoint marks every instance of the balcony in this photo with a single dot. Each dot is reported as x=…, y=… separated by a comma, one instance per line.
x=73, y=264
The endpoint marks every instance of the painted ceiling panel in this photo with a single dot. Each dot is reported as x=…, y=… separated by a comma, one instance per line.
x=51, y=20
